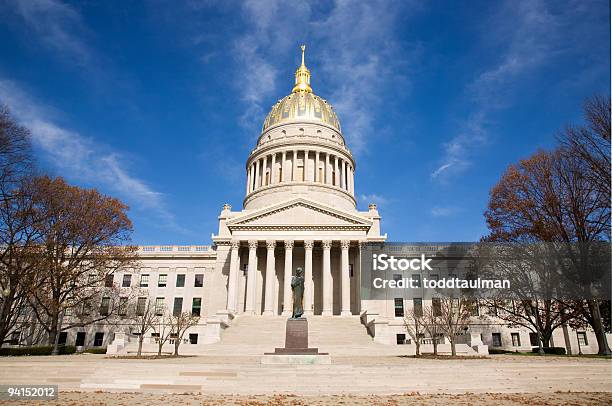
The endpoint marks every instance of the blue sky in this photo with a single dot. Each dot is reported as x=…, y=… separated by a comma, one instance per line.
x=159, y=103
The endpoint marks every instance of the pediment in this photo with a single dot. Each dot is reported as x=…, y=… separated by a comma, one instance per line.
x=299, y=214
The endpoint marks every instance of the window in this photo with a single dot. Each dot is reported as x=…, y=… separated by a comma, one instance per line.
x=180, y=280
x=193, y=338
x=104, y=306
x=178, y=306
x=418, y=306
x=533, y=339
x=399, y=307
x=199, y=280
x=400, y=339
x=108, y=281
x=127, y=280
x=397, y=277
x=15, y=338
x=80, y=339
x=196, y=306
x=162, y=280
x=144, y=280
x=351, y=270
x=582, y=338
x=417, y=280
x=123, y=304
x=62, y=338
x=91, y=279
x=245, y=269
x=496, y=339
x=140, y=306
x=472, y=306
x=98, y=339
x=516, y=339
x=159, y=306
x=434, y=277
x=436, y=307
x=85, y=309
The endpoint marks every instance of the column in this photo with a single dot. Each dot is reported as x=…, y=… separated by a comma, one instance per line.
x=327, y=177
x=283, y=176
x=272, y=168
x=352, y=181
x=345, y=278
x=248, y=182
x=287, y=293
x=306, y=152
x=308, y=283
x=294, y=171
x=336, y=173
x=327, y=279
x=317, y=177
x=270, y=278
x=249, y=307
x=345, y=174
x=257, y=184
x=264, y=168
x=233, y=276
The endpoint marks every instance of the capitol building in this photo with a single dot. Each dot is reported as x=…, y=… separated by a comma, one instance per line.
x=299, y=210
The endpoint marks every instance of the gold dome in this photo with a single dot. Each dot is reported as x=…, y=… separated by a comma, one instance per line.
x=302, y=104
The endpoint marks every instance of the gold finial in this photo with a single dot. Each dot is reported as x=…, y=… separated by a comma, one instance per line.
x=302, y=76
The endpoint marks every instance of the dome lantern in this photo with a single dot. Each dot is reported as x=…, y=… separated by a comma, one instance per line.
x=302, y=76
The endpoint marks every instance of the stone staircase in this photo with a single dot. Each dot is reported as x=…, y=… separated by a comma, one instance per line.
x=254, y=335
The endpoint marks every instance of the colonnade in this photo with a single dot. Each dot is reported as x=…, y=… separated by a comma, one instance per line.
x=270, y=275
x=285, y=166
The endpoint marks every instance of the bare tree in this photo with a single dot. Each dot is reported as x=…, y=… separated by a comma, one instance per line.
x=144, y=318
x=83, y=238
x=180, y=324
x=454, y=319
x=413, y=323
x=431, y=322
x=162, y=327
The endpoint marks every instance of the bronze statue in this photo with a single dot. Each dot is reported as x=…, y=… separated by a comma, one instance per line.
x=297, y=286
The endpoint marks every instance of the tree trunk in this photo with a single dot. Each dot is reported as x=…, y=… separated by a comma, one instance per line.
x=453, y=349
x=176, y=346
x=417, y=350
x=600, y=334
x=53, y=331
x=57, y=335
x=159, y=349
x=435, y=345
x=140, y=340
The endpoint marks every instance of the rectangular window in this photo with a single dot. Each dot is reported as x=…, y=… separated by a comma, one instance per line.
x=159, y=306
x=417, y=280
x=196, y=306
x=400, y=339
x=533, y=339
x=434, y=277
x=98, y=339
x=436, y=306
x=516, y=339
x=80, y=339
x=397, y=277
x=193, y=338
x=496, y=339
x=123, y=304
x=178, y=306
x=582, y=338
x=144, y=280
x=180, y=280
x=399, y=307
x=140, y=306
x=127, y=280
x=472, y=306
x=91, y=279
x=62, y=338
x=162, y=280
x=199, y=280
x=108, y=281
x=418, y=306
x=15, y=338
x=105, y=306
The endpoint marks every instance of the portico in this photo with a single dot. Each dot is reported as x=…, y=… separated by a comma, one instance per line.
x=330, y=270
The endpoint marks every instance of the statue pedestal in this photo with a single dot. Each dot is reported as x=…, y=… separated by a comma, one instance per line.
x=296, y=350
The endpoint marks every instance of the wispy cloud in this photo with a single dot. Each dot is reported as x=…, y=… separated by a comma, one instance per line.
x=529, y=35
x=80, y=157
x=379, y=200
x=56, y=25
x=438, y=211
x=355, y=43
